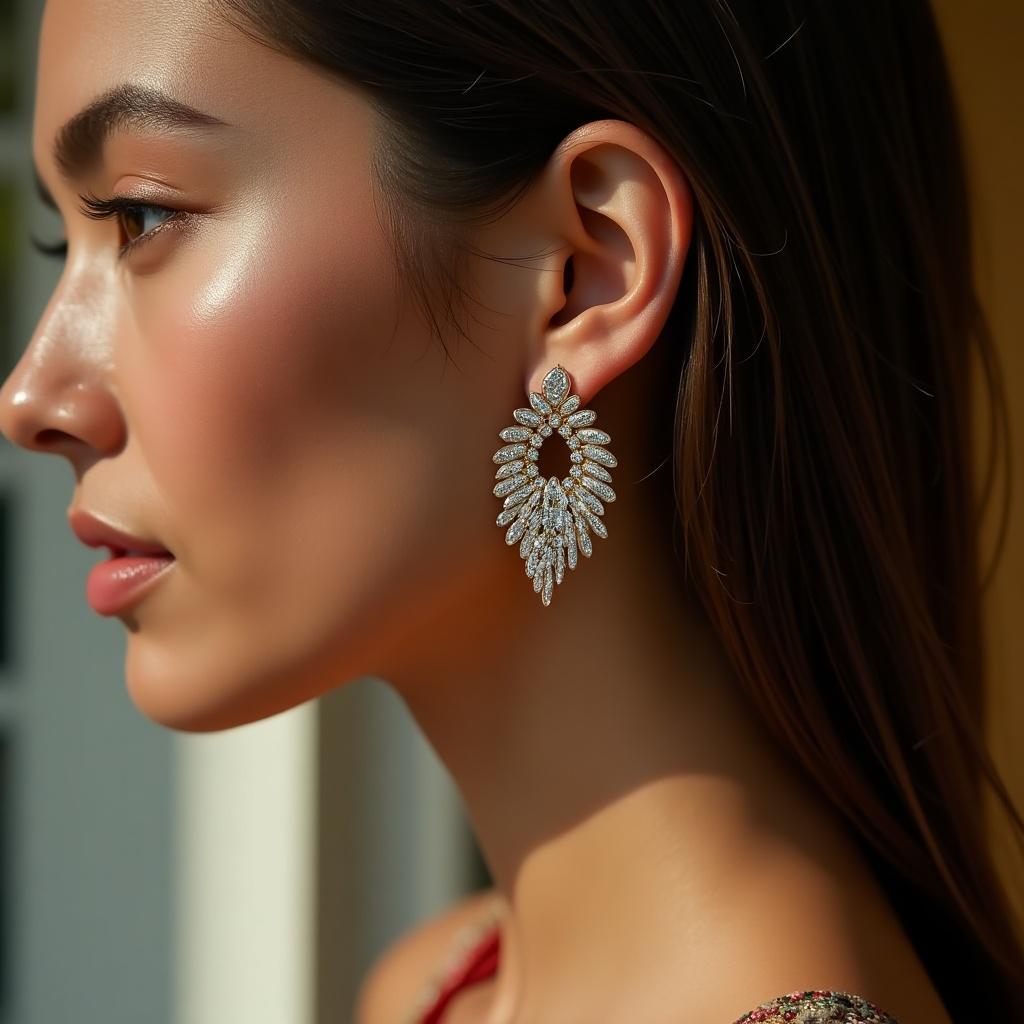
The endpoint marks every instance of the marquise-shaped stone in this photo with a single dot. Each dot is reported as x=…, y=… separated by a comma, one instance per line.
x=570, y=544
x=506, y=517
x=570, y=405
x=596, y=471
x=509, y=452
x=593, y=522
x=515, y=433
x=527, y=542
x=583, y=418
x=540, y=403
x=510, y=469
x=549, y=586
x=586, y=547
x=555, y=385
x=527, y=417
x=587, y=500
x=554, y=496
x=602, y=455
x=602, y=490
x=516, y=531
x=519, y=495
x=508, y=485
x=533, y=560
x=591, y=435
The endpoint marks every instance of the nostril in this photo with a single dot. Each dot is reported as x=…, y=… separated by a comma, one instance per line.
x=50, y=439
x=45, y=438
x=69, y=419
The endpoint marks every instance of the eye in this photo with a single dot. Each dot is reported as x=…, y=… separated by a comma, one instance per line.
x=132, y=213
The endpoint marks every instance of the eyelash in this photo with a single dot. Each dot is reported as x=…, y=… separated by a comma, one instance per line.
x=96, y=208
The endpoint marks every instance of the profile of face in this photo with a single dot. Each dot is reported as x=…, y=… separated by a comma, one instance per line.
x=251, y=387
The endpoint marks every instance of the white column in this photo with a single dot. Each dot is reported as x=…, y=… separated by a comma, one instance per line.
x=245, y=872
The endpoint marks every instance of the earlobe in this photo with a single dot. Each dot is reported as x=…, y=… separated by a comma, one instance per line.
x=624, y=210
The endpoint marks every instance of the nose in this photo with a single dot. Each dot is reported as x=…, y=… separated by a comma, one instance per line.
x=57, y=399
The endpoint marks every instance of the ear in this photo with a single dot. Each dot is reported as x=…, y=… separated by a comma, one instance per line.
x=622, y=211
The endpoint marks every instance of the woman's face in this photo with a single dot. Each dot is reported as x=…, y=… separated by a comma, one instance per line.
x=250, y=387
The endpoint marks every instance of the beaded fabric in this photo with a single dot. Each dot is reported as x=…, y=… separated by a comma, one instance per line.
x=817, y=1006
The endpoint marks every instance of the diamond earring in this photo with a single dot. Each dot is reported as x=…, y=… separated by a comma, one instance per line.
x=552, y=519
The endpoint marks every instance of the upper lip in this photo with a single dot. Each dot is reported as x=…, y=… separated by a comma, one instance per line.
x=96, y=534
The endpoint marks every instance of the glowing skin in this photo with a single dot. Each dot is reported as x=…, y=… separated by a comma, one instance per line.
x=254, y=390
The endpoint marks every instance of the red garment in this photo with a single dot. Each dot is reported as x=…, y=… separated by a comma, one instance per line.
x=480, y=964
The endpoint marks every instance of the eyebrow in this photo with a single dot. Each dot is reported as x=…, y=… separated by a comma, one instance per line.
x=80, y=143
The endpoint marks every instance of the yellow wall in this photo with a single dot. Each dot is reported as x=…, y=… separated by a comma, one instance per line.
x=984, y=40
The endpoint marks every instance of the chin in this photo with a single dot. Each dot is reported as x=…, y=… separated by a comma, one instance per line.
x=166, y=690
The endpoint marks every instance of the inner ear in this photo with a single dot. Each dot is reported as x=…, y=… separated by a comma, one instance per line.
x=599, y=275
x=565, y=314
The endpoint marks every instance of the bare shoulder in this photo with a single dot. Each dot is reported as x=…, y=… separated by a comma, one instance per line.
x=397, y=977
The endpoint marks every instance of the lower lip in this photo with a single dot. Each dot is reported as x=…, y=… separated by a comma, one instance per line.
x=116, y=584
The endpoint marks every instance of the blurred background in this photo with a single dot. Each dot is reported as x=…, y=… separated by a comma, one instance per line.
x=253, y=875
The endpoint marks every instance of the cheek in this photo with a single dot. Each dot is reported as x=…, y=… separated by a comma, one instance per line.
x=305, y=451
x=258, y=406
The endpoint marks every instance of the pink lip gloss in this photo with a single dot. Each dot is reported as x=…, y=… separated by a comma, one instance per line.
x=114, y=585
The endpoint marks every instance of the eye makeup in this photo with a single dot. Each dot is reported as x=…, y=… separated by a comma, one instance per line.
x=97, y=208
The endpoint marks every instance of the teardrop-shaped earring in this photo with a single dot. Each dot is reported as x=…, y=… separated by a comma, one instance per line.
x=552, y=519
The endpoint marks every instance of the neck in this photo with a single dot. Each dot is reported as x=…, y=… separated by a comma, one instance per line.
x=616, y=778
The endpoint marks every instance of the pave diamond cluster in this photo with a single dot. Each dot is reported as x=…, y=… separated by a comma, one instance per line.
x=551, y=519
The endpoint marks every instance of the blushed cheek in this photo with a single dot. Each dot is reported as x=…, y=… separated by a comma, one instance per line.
x=262, y=406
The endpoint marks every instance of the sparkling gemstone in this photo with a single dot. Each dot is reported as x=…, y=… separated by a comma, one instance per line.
x=518, y=495
x=527, y=417
x=532, y=453
x=509, y=452
x=598, y=454
x=514, y=433
x=595, y=470
x=584, y=499
x=509, y=469
x=540, y=404
x=555, y=385
x=565, y=430
x=602, y=490
x=570, y=405
x=593, y=522
x=583, y=418
x=593, y=436
x=584, y=539
x=545, y=430
x=515, y=531
x=555, y=420
x=576, y=471
x=525, y=544
x=509, y=484
x=536, y=440
x=576, y=456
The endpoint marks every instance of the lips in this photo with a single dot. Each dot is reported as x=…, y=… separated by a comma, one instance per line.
x=96, y=533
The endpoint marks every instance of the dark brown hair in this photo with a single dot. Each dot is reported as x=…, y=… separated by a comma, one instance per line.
x=828, y=511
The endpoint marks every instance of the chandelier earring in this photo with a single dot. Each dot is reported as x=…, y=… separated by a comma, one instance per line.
x=552, y=519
